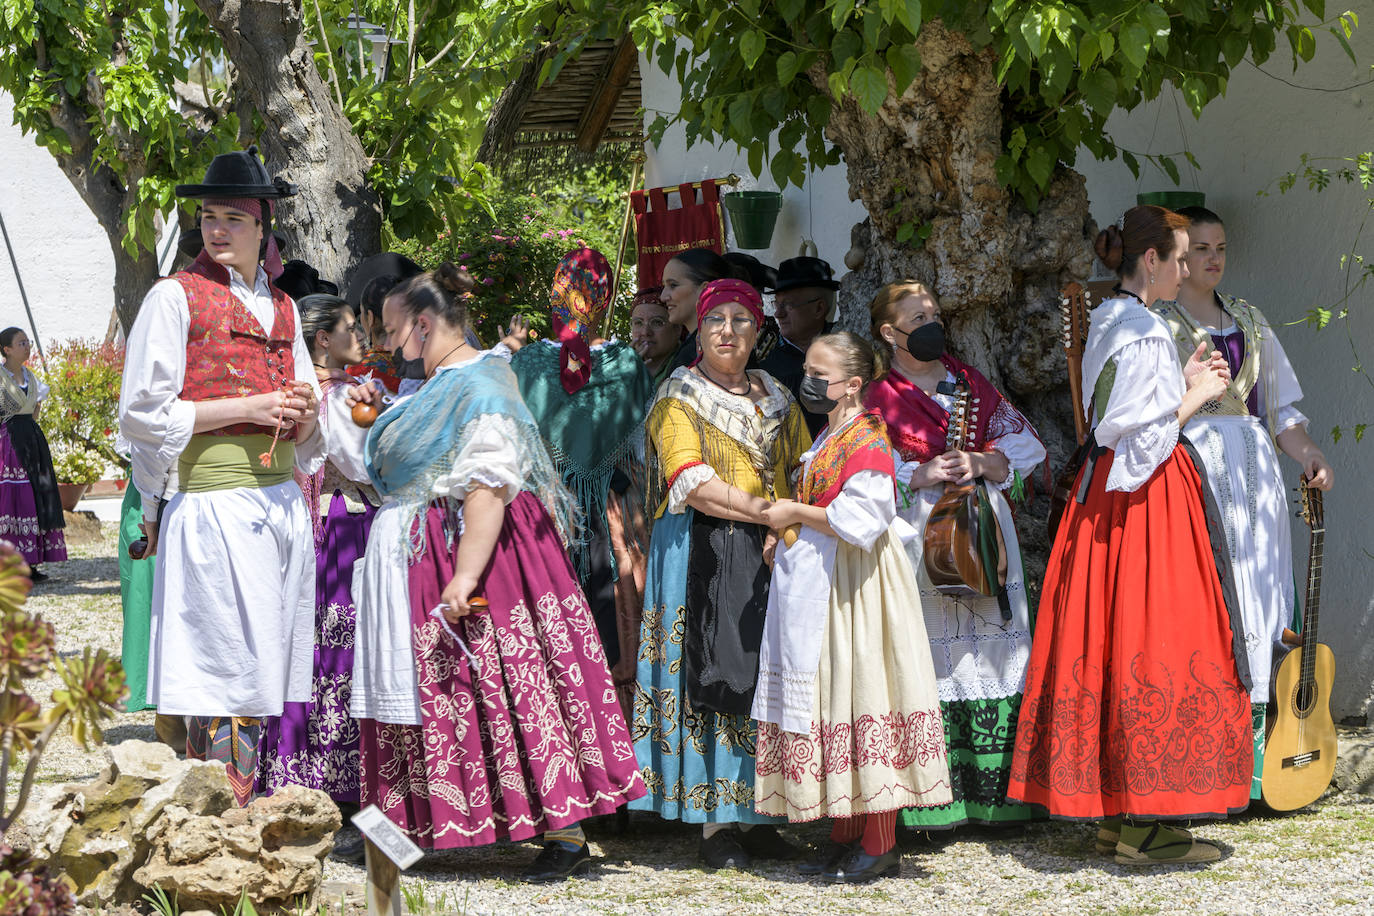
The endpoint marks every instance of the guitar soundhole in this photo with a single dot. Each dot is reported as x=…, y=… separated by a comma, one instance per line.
x=1304, y=700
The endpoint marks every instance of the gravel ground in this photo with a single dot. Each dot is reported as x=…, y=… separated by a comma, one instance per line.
x=1319, y=860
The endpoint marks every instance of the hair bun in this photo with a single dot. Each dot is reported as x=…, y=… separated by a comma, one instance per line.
x=453, y=278
x=1109, y=247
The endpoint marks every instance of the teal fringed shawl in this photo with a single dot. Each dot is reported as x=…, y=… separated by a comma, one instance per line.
x=592, y=430
x=420, y=438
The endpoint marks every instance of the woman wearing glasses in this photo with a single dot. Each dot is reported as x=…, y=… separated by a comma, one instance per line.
x=722, y=440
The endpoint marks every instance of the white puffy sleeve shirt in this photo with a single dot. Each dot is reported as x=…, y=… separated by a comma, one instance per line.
x=491, y=456
x=1283, y=389
x=1140, y=419
x=153, y=418
x=346, y=439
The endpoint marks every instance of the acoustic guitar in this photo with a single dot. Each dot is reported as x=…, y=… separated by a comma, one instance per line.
x=1300, y=747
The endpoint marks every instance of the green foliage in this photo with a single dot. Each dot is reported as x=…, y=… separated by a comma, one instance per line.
x=111, y=71
x=751, y=69
x=92, y=686
x=512, y=248
x=1318, y=175
x=29, y=890
x=81, y=413
x=421, y=124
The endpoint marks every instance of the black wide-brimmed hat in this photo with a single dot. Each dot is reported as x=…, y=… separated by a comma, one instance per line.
x=760, y=276
x=386, y=264
x=191, y=243
x=298, y=279
x=798, y=272
x=238, y=174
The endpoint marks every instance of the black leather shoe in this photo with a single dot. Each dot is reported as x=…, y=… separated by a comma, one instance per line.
x=723, y=850
x=824, y=858
x=764, y=842
x=557, y=862
x=350, y=847
x=858, y=867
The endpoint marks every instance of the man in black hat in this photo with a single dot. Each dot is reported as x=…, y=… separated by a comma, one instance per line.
x=804, y=304
x=219, y=406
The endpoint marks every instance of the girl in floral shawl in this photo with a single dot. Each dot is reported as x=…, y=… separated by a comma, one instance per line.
x=589, y=397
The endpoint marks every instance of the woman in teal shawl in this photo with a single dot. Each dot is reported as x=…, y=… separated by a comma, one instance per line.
x=589, y=398
x=480, y=721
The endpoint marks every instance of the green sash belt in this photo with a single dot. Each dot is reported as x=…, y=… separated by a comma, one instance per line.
x=229, y=462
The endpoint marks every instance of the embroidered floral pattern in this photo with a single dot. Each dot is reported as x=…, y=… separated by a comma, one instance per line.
x=528, y=740
x=1182, y=733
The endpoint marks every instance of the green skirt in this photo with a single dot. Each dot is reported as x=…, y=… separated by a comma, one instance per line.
x=980, y=736
x=1257, y=717
x=136, y=599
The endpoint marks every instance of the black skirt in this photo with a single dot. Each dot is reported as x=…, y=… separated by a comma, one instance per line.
x=727, y=597
x=32, y=448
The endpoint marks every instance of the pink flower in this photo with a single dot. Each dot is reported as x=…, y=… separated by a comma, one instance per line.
x=488, y=281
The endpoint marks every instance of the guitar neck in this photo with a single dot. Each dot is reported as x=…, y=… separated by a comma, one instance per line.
x=1311, y=611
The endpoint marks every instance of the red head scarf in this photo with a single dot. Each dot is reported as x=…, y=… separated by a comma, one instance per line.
x=271, y=261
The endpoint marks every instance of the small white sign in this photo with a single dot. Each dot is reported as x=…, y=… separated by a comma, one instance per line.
x=387, y=837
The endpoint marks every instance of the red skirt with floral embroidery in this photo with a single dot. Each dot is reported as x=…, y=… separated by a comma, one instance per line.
x=1134, y=702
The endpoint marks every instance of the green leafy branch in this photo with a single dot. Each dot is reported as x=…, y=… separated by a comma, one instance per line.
x=1355, y=269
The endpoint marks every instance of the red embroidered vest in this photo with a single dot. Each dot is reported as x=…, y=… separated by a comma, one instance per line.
x=228, y=354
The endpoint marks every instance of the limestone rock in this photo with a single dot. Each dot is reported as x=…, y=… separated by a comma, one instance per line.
x=96, y=833
x=275, y=847
x=1355, y=761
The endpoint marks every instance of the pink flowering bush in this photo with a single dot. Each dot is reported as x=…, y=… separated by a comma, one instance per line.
x=512, y=255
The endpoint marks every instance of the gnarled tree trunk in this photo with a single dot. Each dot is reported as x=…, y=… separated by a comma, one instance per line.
x=335, y=221
x=928, y=159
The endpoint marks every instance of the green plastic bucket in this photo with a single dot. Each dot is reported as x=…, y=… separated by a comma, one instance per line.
x=1174, y=200
x=753, y=215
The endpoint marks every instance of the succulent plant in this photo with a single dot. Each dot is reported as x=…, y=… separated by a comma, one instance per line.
x=92, y=686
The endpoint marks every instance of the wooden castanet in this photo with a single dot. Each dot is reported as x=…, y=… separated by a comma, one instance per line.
x=138, y=548
x=364, y=414
x=790, y=534
x=478, y=605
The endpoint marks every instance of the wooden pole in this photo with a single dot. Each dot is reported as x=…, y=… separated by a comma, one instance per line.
x=620, y=255
x=383, y=882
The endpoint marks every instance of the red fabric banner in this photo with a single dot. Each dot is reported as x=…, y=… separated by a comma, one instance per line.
x=661, y=233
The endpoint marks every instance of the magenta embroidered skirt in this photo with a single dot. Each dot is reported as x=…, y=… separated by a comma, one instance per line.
x=533, y=739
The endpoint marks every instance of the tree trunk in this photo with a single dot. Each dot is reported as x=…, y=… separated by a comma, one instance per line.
x=928, y=159
x=335, y=221
x=109, y=199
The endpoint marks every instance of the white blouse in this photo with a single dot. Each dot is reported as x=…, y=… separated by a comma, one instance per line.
x=153, y=418
x=1139, y=422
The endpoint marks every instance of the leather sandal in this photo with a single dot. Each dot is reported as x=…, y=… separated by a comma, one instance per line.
x=1163, y=845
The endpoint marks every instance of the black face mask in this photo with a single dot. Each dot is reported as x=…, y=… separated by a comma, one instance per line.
x=814, y=394
x=926, y=343
x=408, y=368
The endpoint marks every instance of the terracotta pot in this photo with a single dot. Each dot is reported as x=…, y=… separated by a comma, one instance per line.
x=71, y=494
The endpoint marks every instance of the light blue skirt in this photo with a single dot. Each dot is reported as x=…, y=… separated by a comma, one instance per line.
x=699, y=767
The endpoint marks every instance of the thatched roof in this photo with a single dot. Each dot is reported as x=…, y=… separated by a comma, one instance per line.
x=590, y=109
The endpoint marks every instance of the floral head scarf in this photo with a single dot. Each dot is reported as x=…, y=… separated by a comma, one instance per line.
x=580, y=295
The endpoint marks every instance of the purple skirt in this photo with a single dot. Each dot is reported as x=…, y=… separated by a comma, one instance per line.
x=534, y=739
x=19, y=510
x=315, y=744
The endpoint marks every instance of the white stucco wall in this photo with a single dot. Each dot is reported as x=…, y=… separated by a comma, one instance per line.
x=822, y=211
x=64, y=258
x=1284, y=257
